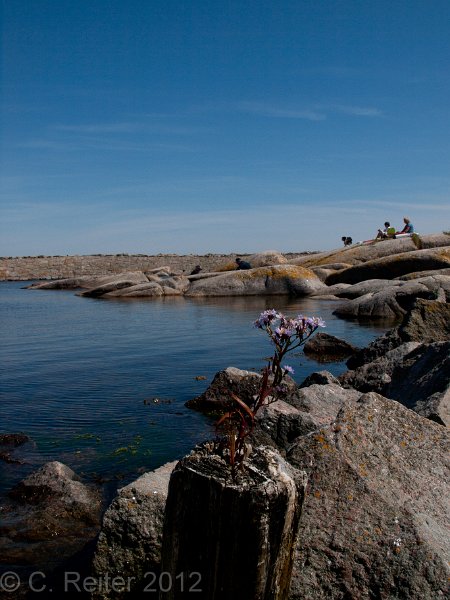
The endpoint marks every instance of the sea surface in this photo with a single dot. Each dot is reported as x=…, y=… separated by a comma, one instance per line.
x=101, y=384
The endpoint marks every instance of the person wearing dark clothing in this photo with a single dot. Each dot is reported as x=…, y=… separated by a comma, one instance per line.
x=242, y=264
x=196, y=270
x=347, y=240
x=388, y=231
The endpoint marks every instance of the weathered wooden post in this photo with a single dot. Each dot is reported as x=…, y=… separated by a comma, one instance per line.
x=228, y=538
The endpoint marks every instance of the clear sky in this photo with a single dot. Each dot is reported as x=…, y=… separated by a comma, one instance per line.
x=195, y=126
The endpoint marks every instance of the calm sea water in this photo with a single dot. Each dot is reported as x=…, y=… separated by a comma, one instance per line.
x=78, y=375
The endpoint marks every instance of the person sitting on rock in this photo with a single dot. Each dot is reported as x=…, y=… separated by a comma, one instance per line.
x=242, y=265
x=348, y=241
x=407, y=229
x=196, y=270
x=385, y=233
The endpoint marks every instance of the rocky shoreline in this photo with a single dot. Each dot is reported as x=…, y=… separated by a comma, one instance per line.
x=376, y=281
x=372, y=443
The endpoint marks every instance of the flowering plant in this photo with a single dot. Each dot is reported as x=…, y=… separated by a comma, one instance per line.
x=286, y=334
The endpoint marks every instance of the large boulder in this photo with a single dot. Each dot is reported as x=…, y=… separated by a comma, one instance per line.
x=319, y=378
x=280, y=423
x=267, y=258
x=390, y=303
x=391, y=266
x=129, y=544
x=324, y=347
x=281, y=279
x=374, y=522
x=160, y=284
x=322, y=402
x=374, y=376
x=421, y=381
x=216, y=398
x=417, y=375
x=121, y=280
x=379, y=347
x=245, y=384
x=427, y=321
x=150, y=289
x=57, y=481
x=437, y=283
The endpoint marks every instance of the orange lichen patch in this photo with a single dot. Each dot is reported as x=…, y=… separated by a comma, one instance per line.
x=228, y=267
x=317, y=494
x=320, y=437
x=432, y=307
x=403, y=443
x=323, y=441
x=362, y=470
x=277, y=272
x=329, y=258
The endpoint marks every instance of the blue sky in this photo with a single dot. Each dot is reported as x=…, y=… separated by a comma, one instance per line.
x=220, y=126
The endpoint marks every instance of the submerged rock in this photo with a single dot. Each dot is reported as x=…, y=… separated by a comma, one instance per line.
x=56, y=482
x=48, y=517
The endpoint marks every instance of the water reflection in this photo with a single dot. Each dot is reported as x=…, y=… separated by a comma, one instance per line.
x=76, y=373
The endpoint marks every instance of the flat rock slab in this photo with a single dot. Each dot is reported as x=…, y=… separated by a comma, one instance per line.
x=390, y=303
x=359, y=254
x=389, y=267
x=89, y=282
